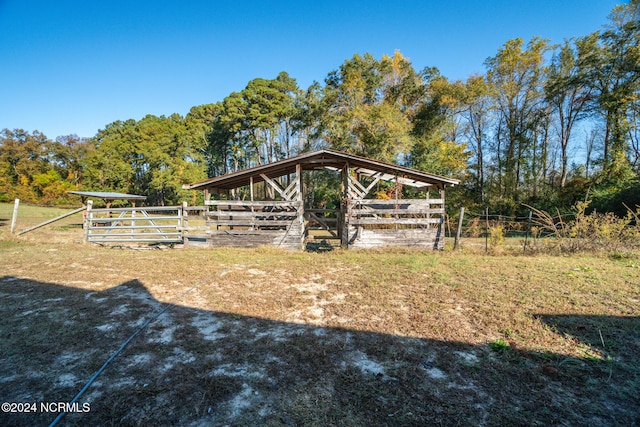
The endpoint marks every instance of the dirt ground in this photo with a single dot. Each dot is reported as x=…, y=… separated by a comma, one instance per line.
x=266, y=337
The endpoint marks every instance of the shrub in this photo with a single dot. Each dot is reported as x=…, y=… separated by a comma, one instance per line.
x=496, y=236
x=588, y=232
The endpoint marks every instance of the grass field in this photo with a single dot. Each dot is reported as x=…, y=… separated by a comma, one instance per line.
x=355, y=338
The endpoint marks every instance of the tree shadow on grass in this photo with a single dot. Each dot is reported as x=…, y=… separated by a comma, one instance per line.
x=194, y=366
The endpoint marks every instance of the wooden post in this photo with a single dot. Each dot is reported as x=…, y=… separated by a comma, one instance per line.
x=184, y=218
x=428, y=209
x=486, y=234
x=459, y=230
x=299, y=197
x=87, y=220
x=253, y=226
x=58, y=218
x=299, y=182
x=526, y=236
x=14, y=218
x=344, y=207
x=439, y=244
x=395, y=207
x=444, y=212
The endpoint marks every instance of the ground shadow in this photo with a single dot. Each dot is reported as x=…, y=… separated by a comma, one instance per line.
x=201, y=367
x=321, y=246
x=608, y=334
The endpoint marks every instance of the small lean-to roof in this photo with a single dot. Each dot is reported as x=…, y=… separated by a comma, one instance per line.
x=324, y=159
x=107, y=195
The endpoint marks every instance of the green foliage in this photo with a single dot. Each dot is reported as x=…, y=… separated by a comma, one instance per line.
x=153, y=156
x=384, y=109
x=38, y=170
x=363, y=109
x=508, y=133
x=439, y=157
x=50, y=188
x=515, y=79
x=496, y=236
x=255, y=126
x=322, y=189
x=499, y=346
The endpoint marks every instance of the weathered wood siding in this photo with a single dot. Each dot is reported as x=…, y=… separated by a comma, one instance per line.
x=251, y=224
x=423, y=238
x=409, y=222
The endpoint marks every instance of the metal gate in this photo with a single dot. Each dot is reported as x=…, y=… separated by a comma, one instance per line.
x=157, y=224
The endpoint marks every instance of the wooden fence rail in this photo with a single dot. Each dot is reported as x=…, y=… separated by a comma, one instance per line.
x=246, y=223
x=396, y=222
x=360, y=223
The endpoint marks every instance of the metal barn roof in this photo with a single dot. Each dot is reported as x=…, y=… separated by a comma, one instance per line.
x=107, y=195
x=324, y=159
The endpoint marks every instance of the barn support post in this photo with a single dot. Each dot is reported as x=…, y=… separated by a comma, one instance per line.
x=14, y=218
x=395, y=184
x=428, y=208
x=345, y=207
x=251, y=197
x=300, y=199
x=442, y=234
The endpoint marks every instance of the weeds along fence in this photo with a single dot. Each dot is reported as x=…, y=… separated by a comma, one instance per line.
x=574, y=232
x=495, y=230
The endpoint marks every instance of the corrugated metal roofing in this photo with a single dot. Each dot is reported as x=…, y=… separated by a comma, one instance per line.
x=107, y=195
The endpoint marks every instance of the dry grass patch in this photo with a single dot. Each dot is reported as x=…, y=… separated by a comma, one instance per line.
x=267, y=337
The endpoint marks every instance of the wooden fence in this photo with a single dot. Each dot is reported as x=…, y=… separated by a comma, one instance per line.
x=402, y=222
x=237, y=223
x=249, y=224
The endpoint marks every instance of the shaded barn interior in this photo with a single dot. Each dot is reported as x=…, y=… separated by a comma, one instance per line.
x=265, y=205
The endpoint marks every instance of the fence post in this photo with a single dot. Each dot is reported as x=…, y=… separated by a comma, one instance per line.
x=184, y=219
x=459, y=230
x=14, y=218
x=526, y=236
x=87, y=220
x=486, y=234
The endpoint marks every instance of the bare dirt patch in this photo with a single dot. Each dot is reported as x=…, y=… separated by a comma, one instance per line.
x=266, y=337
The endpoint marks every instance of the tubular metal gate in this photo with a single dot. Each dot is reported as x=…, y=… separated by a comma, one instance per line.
x=157, y=224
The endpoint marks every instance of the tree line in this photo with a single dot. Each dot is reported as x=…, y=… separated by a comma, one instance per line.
x=545, y=125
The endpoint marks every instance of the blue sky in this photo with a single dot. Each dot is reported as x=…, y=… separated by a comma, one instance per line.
x=72, y=67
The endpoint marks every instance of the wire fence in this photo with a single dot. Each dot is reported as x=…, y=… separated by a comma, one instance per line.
x=496, y=229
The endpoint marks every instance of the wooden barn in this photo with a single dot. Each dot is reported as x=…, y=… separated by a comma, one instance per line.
x=265, y=205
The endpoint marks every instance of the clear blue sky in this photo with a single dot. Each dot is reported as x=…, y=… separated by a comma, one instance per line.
x=72, y=67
